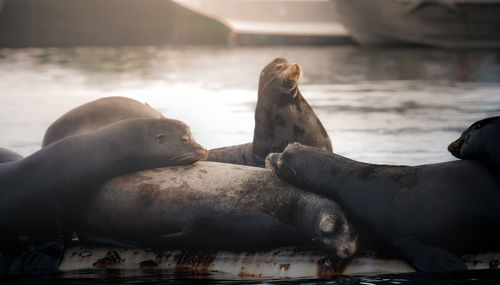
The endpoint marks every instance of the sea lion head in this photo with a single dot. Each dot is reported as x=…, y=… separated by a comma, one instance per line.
x=331, y=229
x=481, y=141
x=178, y=136
x=283, y=164
x=280, y=75
x=157, y=142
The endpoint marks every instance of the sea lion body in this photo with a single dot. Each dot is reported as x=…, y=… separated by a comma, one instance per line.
x=427, y=213
x=282, y=116
x=42, y=191
x=481, y=142
x=216, y=206
x=7, y=155
x=96, y=114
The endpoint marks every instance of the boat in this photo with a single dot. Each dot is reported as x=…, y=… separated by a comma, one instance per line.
x=62, y=23
x=453, y=24
x=274, y=22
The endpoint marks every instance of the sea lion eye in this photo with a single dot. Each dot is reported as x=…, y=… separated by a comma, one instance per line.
x=185, y=139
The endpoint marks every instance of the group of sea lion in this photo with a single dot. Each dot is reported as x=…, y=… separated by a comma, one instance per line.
x=58, y=189
x=99, y=173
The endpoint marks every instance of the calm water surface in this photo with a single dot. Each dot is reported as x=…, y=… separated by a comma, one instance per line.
x=391, y=105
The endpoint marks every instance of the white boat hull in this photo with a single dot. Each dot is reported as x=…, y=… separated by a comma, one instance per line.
x=461, y=24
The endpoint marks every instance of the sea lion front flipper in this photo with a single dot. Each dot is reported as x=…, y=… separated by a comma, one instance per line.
x=426, y=258
x=41, y=255
x=41, y=251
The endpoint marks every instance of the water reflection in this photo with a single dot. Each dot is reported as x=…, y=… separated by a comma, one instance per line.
x=85, y=277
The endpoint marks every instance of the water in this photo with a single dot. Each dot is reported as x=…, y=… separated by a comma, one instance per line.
x=132, y=277
x=391, y=105
x=399, y=106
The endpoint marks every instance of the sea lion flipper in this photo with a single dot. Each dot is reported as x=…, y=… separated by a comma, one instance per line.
x=42, y=250
x=427, y=258
x=41, y=255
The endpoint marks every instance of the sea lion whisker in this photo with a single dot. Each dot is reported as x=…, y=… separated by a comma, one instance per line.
x=183, y=156
x=284, y=75
x=273, y=172
x=301, y=77
x=190, y=156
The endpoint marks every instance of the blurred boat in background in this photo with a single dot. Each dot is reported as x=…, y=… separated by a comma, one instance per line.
x=62, y=23
x=256, y=22
x=455, y=24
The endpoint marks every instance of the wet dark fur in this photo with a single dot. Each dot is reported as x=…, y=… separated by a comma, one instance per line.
x=428, y=213
x=45, y=191
x=481, y=142
x=97, y=114
x=8, y=155
x=216, y=206
x=282, y=116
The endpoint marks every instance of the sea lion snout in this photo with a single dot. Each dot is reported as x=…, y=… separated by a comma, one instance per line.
x=202, y=152
x=278, y=162
x=334, y=232
x=291, y=73
x=454, y=147
x=336, y=236
x=346, y=249
x=271, y=160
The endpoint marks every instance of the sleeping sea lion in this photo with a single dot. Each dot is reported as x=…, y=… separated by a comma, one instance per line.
x=41, y=192
x=427, y=213
x=214, y=206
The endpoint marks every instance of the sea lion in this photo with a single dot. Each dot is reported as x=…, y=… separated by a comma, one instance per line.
x=7, y=155
x=427, y=213
x=97, y=114
x=282, y=116
x=481, y=141
x=215, y=206
x=40, y=192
